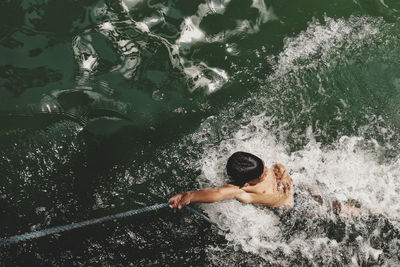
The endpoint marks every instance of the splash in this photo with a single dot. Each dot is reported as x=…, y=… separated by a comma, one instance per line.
x=320, y=43
x=346, y=171
x=351, y=169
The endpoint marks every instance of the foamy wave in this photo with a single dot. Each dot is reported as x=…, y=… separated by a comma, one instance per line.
x=321, y=42
x=345, y=171
x=350, y=168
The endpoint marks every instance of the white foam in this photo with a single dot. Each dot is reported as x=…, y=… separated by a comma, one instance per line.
x=349, y=168
x=322, y=41
x=345, y=171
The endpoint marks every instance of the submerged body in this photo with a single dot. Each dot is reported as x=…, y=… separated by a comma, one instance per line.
x=256, y=184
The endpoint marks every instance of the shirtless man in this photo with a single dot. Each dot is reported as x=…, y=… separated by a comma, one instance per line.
x=251, y=182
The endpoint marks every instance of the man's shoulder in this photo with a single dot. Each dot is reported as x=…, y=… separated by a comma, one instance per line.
x=230, y=185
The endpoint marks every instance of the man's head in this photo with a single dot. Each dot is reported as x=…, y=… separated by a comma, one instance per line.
x=243, y=167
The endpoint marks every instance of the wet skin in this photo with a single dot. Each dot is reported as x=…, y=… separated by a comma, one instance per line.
x=272, y=189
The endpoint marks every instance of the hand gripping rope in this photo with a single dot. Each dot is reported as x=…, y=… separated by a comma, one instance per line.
x=59, y=229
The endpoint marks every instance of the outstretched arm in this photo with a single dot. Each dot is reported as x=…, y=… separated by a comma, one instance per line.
x=206, y=195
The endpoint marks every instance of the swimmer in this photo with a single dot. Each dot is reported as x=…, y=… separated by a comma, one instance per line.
x=252, y=182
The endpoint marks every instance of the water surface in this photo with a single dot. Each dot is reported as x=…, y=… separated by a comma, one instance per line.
x=107, y=106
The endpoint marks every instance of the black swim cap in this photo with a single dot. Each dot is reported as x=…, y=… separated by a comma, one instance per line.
x=243, y=167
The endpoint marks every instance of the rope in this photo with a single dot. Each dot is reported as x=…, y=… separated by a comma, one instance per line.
x=59, y=229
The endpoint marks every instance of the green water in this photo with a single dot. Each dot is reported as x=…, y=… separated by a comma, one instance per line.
x=107, y=106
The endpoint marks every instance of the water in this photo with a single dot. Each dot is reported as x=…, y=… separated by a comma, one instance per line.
x=107, y=106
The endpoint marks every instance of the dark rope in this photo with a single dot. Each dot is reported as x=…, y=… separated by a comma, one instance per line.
x=59, y=229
